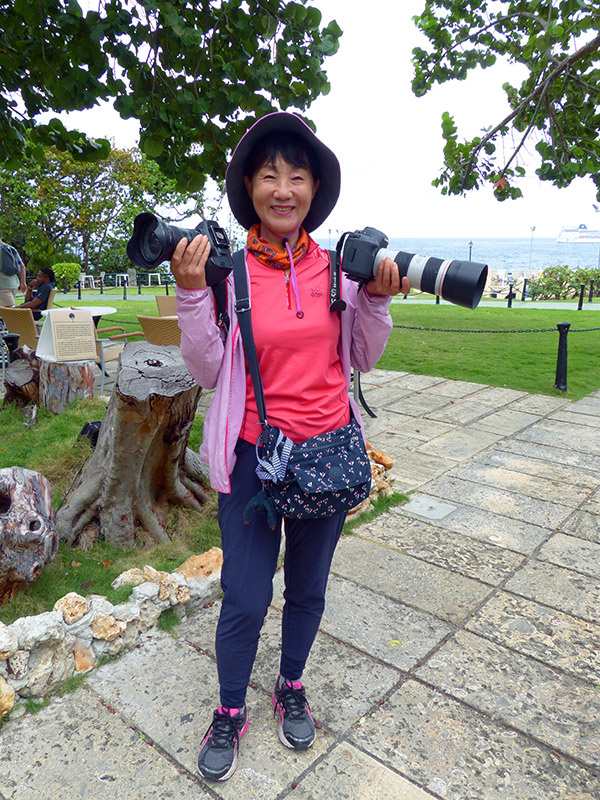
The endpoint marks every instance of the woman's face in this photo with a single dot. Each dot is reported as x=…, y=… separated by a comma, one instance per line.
x=281, y=194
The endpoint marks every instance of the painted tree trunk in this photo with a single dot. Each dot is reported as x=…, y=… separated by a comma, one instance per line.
x=62, y=382
x=28, y=538
x=141, y=465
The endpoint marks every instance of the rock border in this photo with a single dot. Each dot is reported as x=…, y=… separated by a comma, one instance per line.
x=40, y=652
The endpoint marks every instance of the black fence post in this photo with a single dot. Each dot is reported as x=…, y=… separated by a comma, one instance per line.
x=125, y=288
x=139, y=283
x=524, y=294
x=79, y=290
x=101, y=285
x=510, y=295
x=561, y=359
x=166, y=286
x=591, y=297
x=581, y=292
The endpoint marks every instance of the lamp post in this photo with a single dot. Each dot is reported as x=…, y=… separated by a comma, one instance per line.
x=532, y=229
x=470, y=249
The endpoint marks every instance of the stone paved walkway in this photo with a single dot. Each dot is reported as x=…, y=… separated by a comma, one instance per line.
x=458, y=658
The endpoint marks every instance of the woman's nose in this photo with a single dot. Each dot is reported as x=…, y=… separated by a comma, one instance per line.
x=283, y=187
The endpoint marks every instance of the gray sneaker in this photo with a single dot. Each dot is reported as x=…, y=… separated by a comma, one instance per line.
x=296, y=725
x=218, y=755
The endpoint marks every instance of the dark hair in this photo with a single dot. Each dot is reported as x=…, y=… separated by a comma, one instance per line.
x=289, y=146
x=49, y=273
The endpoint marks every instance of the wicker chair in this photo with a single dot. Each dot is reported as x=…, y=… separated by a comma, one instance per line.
x=161, y=330
x=167, y=304
x=21, y=321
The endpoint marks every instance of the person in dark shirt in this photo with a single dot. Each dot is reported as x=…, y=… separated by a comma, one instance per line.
x=38, y=292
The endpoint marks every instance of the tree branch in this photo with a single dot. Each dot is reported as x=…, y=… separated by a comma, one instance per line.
x=539, y=92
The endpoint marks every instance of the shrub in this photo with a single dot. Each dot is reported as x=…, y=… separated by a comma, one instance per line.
x=562, y=282
x=67, y=270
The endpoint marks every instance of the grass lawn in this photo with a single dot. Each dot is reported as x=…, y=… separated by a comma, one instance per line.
x=127, y=310
x=516, y=357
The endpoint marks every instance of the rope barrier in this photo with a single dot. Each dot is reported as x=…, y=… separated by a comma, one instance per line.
x=465, y=330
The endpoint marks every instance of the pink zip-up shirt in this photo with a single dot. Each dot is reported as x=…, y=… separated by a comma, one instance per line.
x=217, y=361
x=304, y=386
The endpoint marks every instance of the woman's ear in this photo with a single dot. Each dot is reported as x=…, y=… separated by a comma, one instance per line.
x=248, y=184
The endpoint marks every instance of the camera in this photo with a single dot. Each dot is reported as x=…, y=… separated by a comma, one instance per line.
x=458, y=282
x=154, y=241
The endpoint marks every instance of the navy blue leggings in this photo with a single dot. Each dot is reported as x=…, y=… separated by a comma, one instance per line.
x=250, y=554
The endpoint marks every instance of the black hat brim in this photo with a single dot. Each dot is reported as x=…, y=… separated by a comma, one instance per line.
x=328, y=192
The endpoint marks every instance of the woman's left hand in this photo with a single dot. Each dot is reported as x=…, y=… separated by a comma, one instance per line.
x=387, y=280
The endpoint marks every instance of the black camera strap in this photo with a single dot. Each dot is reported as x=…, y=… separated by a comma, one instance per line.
x=335, y=284
x=219, y=291
x=242, y=309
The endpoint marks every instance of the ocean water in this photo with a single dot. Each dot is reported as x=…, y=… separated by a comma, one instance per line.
x=522, y=257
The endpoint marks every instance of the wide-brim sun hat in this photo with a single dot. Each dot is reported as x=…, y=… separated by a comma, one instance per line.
x=326, y=195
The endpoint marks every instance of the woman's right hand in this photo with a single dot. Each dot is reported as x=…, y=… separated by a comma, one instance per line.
x=188, y=263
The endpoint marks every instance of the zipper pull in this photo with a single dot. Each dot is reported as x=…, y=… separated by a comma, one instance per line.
x=287, y=288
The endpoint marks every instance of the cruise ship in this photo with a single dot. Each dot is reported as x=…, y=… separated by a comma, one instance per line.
x=579, y=233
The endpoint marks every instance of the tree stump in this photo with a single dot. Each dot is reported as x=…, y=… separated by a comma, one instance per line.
x=141, y=465
x=28, y=537
x=62, y=382
x=21, y=381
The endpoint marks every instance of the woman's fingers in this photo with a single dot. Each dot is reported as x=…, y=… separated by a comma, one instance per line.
x=387, y=280
x=188, y=263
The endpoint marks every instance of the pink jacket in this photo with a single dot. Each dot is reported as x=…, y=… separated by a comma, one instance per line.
x=217, y=362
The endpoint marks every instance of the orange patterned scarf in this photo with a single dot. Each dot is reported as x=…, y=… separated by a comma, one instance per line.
x=272, y=256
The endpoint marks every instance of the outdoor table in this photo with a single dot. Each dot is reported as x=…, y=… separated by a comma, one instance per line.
x=154, y=275
x=120, y=278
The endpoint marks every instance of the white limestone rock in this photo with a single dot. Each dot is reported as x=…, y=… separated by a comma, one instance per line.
x=41, y=629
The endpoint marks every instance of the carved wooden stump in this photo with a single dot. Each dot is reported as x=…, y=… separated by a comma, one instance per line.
x=28, y=537
x=21, y=383
x=62, y=382
x=141, y=465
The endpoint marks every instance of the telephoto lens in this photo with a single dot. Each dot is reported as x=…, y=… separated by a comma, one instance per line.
x=458, y=282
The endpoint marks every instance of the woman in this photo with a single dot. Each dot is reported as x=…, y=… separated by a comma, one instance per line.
x=282, y=182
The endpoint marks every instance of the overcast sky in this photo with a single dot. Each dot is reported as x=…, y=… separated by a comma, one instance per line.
x=389, y=142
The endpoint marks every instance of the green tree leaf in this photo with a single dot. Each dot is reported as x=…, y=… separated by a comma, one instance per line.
x=556, y=106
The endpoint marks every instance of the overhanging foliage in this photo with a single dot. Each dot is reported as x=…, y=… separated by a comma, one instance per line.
x=191, y=71
x=556, y=106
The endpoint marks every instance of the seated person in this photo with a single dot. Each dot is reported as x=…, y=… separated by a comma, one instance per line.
x=38, y=292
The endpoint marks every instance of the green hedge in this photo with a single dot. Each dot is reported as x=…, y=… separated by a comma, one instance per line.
x=562, y=282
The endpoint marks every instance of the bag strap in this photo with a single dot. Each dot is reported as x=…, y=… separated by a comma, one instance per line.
x=242, y=309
